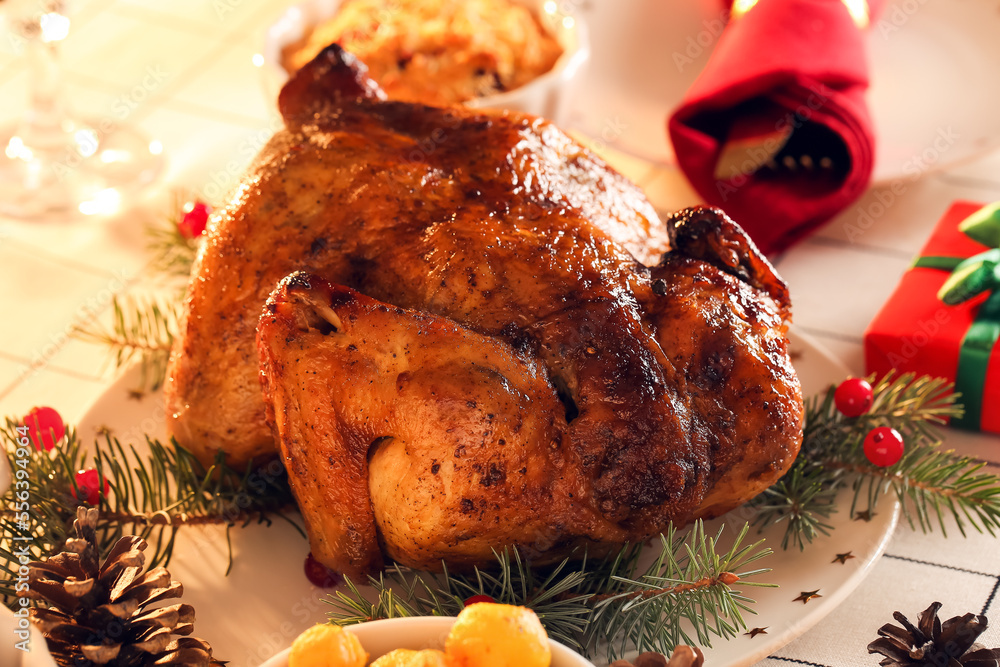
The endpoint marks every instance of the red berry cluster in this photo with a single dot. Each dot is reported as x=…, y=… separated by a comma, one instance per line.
x=883, y=445
x=46, y=428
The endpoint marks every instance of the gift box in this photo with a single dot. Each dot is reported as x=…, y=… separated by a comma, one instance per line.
x=943, y=319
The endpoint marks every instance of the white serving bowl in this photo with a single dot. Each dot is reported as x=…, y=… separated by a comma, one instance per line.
x=548, y=95
x=419, y=632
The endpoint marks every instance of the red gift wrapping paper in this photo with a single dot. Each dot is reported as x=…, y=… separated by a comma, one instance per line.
x=915, y=331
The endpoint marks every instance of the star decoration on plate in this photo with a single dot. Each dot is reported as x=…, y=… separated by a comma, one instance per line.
x=843, y=558
x=104, y=431
x=756, y=631
x=863, y=516
x=805, y=596
x=136, y=395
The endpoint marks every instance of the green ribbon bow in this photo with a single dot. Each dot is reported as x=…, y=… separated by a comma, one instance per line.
x=969, y=278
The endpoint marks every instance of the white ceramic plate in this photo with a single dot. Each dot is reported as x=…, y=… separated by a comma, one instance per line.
x=933, y=94
x=266, y=601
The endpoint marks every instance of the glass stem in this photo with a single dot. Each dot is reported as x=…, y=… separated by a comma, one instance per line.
x=47, y=120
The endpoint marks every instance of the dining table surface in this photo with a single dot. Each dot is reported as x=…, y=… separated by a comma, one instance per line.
x=184, y=72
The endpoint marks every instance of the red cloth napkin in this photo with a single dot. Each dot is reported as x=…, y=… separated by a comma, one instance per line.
x=784, y=61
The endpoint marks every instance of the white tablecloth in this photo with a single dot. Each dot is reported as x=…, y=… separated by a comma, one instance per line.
x=182, y=72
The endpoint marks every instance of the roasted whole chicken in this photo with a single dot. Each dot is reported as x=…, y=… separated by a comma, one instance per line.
x=476, y=334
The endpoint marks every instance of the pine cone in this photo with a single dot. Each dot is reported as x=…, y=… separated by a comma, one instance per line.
x=108, y=614
x=935, y=644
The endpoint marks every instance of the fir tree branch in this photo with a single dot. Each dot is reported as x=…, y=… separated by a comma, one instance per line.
x=153, y=494
x=580, y=601
x=161, y=518
x=914, y=406
x=142, y=330
x=655, y=622
x=173, y=253
x=727, y=578
x=685, y=595
x=930, y=484
x=804, y=498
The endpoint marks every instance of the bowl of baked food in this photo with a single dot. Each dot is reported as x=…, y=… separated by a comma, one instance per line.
x=483, y=635
x=523, y=55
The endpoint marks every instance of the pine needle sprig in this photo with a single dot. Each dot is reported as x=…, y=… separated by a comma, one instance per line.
x=684, y=596
x=173, y=253
x=153, y=494
x=914, y=406
x=401, y=591
x=141, y=330
x=686, y=589
x=930, y=484
x=805, y=498
x=685, y=593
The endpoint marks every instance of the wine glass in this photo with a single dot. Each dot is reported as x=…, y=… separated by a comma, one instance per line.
x=54, y=164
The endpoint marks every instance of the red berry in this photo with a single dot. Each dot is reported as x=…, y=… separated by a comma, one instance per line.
x=883, y=446
x=320, y=575
x=45, y=427
x=478, y=598
x=88, y=484
x=853, y=397
x=192, y=223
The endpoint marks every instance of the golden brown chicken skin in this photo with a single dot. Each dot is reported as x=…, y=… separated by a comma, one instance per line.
x=406, y=431
x=637, y=372
x=717, y=308
x=493, y=213
x=408, y=435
